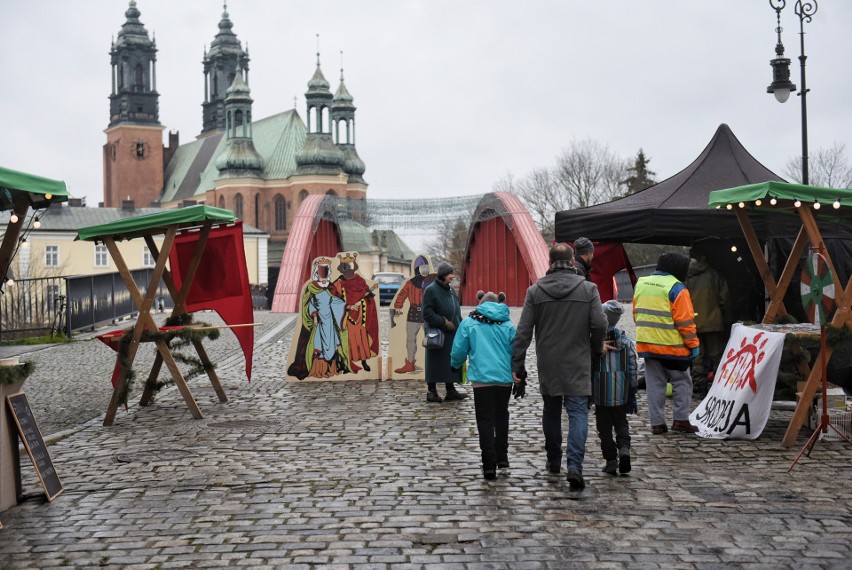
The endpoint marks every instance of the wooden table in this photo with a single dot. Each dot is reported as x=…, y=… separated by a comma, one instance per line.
x=167, y=223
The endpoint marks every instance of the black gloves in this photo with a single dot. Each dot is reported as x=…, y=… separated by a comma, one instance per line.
x=632, y=404
x=519, y=389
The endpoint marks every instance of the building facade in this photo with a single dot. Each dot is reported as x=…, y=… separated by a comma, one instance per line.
x=52, y=250
x=261, y=169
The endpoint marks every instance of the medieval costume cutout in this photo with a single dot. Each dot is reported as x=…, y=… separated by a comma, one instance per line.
x=404, y=347
x=339, y=332
x=322, y=350
x=361, y=319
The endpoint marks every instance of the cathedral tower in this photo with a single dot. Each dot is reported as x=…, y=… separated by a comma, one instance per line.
x=221, y=65
x=343, y=128
x=319, y=155
x=133, y=154
x=240, y=159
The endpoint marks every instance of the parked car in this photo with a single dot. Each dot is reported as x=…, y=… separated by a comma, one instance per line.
x=389, y=284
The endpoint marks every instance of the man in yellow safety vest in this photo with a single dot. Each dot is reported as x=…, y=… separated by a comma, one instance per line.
x=666, y=338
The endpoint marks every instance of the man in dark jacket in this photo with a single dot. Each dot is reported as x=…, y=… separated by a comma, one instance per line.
x=564, y=310
x=584, y=251
x=711, y=301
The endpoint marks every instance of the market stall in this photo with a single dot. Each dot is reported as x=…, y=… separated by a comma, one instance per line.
x=816, y=208
x=19, y=192
x=204, y=248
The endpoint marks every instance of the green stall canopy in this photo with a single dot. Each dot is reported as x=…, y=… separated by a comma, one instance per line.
x=829, y=201
x=41, y=191
x=157, y=223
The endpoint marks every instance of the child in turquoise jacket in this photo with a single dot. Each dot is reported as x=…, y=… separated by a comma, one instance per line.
x=486, y=336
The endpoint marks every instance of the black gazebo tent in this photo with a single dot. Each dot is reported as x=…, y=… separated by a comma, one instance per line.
x=675, y=211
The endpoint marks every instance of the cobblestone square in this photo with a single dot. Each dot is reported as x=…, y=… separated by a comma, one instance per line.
x=367, y=474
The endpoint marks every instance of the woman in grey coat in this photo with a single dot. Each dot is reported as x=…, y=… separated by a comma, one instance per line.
x=441, y=309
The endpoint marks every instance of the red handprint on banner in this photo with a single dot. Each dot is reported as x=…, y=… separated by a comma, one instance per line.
x=738, y=368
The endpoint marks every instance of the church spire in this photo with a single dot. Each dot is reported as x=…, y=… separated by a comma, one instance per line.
x=343, y=128
x=319, y=155
x=240, y=159
x=221, y=63
x=133, y=57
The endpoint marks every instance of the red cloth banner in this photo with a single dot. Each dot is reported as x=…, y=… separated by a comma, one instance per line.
x=221, y=281
x=610, y=258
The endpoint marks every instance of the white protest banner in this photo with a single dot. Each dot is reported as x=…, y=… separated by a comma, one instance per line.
x=738, y=404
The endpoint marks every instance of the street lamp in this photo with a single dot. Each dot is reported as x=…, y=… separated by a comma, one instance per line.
x=781, y=86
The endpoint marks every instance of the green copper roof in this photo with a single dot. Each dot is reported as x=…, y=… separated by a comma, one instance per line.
x=42, y=190
x=192, y=170
x=156, y=223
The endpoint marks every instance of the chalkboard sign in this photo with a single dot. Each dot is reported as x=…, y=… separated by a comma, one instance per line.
x=34, y=444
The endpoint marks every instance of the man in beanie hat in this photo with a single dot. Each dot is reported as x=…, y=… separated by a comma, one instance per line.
x=666, y=338
x=584, y=250
x=564, y=311
x=441, y=309
x=614, y=384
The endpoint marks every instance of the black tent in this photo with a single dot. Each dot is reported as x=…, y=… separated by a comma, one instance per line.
x=675, y=211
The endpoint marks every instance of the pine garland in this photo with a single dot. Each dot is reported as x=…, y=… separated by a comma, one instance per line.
x=14, y=374
x=837, y=336
x=180, y=337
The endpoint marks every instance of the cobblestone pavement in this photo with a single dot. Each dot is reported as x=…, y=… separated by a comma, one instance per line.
x=367, y=474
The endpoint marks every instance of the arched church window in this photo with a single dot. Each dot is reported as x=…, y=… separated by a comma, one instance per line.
x=280, y=213
x=257, y=210
x=302, y=195
x=238, y=206
x=222, y=202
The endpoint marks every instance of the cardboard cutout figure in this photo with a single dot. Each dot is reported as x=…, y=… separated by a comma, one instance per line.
x=404, y=346
x=361, y=319
x=339, y=324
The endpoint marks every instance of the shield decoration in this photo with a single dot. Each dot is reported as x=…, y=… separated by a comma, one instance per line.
x=817, y=289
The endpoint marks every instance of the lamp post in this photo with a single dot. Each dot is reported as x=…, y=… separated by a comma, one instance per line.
x=781, y=86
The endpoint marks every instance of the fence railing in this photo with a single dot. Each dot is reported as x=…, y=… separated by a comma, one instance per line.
x=29, y=307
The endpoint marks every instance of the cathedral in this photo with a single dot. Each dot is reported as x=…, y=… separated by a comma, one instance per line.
x=261, y=169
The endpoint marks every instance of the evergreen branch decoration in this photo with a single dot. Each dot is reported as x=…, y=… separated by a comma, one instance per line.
x=175, y=340
x=14, y=374
x=837, y=336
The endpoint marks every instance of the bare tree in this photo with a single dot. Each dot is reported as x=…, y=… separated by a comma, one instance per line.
x=449, y=245
x=543, y=198
x=505, y=183
x=589, y=173
x=586, y=173
x=826, y=167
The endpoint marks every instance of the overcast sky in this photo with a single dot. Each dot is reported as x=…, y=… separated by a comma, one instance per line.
x=451, y=94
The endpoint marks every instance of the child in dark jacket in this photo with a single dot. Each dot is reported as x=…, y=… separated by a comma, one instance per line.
x=614, y=384
x=487, y=336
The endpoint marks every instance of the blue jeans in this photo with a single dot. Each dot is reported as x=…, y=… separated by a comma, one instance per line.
x=577, y=408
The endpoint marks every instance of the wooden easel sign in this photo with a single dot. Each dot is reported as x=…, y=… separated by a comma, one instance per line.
x=34, y=444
